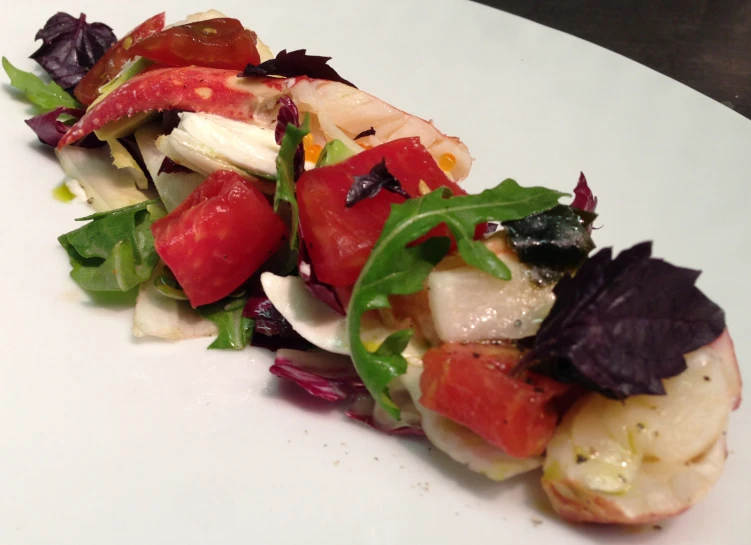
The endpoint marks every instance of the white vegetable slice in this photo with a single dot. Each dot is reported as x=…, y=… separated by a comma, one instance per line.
x=106, y=186
x=462, y=444
x=174, y=188
x=123, y=160
x=469, y=305
x=159, y=316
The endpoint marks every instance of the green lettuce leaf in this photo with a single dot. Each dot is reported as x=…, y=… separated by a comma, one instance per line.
x=394, y=268
x=235, y=330
x=115, y=251
x=285, y=168
x=46, y=96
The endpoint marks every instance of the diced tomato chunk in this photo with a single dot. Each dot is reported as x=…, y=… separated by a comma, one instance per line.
x=110, y=64
x=470, y=384
x=218, y=237
x=340, y=239
x=215, y=43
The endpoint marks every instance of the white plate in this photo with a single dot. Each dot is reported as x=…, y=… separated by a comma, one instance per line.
x=107, y=440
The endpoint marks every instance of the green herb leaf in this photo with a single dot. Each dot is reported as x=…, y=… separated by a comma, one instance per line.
x=285, y=168
x=235, y=330
x=332, y=153
x=47, y=96
x=115, y=252
x=394, y=268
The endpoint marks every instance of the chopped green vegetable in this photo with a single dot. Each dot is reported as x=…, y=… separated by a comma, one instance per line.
x=115, y=252
x=333, y=152
x=285, y=168
x=235, y=330
x=47, y=96
x=130, y=70
x=394, y=268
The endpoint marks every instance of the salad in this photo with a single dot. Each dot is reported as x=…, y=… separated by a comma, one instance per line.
x=265, y=200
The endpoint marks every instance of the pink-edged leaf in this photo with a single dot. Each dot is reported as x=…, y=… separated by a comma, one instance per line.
x=584, y=199
x=327, y=376
x=319, y=290
x=363, y=409
x=48, y=128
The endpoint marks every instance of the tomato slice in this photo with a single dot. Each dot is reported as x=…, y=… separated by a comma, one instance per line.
x=114, y=59
x=218, y=237
x=215, y=43
x=340, y=239
x=470, y=384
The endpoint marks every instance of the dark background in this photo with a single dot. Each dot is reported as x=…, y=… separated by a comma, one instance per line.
x=705, y=44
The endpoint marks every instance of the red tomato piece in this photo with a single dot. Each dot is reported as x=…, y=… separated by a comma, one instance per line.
x=340, y=239
x=218, y=237
x=470, y=384
x=114, y=59
x=215, y=43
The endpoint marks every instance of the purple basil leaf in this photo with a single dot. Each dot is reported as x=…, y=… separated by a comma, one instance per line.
x=170, y=167
x=48, y=128
x=296, y=63
x=370, y=184
x=288, y=113
x=584, y=199
x=71, y=47
x=368, y=132
x=362, y=409
x=271, y=329
x=622, y=325
x=328, y=376
x=318, y=289
x=170, y=120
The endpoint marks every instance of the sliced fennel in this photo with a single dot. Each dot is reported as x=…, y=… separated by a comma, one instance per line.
x=123, y=160
x=106, y=186
x=172, y=188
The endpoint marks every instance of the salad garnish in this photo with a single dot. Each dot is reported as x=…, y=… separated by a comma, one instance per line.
x=367, y=132
x=368, y=185
x=48, y=126
x=293, y=64
x=45, y=96
x=288, y=170
x=619, y=326
x=71, y=47
x=395, y=268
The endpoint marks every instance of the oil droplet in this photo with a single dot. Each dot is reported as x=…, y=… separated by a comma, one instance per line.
x=446, y=162
x=62, y=193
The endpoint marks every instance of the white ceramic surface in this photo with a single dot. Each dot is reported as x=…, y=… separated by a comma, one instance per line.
x=106, y=440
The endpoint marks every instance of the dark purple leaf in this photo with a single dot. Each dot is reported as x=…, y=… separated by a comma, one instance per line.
x=170, y=120
x=368, y=132
x=583, y=197
x=622, y=325
x=363, y=408
x=170, y=167
x=318, y=289
x=370, y=184
x=288, y=113
x=71, y=47
x=271, y=329
x=48, y=128
x=328, y=376
x=293, y=64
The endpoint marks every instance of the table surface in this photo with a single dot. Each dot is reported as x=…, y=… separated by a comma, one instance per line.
x=701, y=43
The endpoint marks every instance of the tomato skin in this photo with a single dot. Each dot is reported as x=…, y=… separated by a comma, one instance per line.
x=340, y=239
x=218, y=237
x=470, y=384
x=215, y=43
x=114, y=59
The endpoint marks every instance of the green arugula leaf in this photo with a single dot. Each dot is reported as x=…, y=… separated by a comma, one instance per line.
x=47, y=96
x=115, y=251
x=235, y=330
x=394, y=268
x=285, y=168
x=332, y=153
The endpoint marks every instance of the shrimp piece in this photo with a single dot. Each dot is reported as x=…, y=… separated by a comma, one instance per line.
x=649, y=457
x=343, y=112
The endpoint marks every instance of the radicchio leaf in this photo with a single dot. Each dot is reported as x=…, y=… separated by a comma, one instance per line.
x=48, y=128
x=365, y=410
x=327, y=376
x=584, y=199
x=622, y=325
x=370, y=184
x=293, y=64
x=288, y=113
x=171, y=167
x=271, y=330
x=319, y=290
x=71, y=47
x=368, y=132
